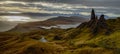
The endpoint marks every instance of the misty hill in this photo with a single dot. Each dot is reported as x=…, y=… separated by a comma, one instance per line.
x=5, y=25
x=70, y=19
x=50, y=22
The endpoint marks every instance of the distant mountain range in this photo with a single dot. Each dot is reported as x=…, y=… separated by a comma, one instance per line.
x=50, y=22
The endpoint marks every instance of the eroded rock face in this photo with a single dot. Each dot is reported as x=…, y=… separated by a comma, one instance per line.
x=101, y=26
x=93, y=15
x=96, y=25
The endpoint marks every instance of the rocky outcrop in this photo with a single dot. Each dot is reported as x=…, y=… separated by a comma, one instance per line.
x=101, y=26
x=93, y=16
x=94, y=20
x=96, y=25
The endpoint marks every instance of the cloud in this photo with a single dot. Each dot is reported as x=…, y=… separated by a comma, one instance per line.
x=61, y=6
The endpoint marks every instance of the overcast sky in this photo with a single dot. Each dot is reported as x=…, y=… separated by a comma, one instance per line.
x=110, y=8
x=44, y=9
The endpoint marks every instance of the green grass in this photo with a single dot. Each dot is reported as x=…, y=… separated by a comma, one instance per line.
x=26, y=45
x=72, y=41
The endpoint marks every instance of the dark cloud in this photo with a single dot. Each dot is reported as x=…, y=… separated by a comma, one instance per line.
x=113, y=3
x=107, y=6
x=110, y=3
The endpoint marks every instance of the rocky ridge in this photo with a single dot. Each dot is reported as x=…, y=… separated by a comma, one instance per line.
x=96, y=25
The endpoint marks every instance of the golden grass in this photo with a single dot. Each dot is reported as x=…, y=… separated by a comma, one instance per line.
x=16, y=45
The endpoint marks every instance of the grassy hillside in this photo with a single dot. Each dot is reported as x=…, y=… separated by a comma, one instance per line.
x=12, y=44
x=97, y=36
x=83, y=41
x=63, y=41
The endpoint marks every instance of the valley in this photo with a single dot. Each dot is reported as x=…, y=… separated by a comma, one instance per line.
x=95, y=36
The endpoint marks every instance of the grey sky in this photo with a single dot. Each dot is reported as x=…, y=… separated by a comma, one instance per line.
x=82, y=7
x=44, y=9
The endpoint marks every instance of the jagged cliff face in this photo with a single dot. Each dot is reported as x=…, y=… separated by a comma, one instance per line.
x=93, y=15
x=96, y=25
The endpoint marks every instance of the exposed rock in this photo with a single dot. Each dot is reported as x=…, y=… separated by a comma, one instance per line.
x=101, y=26
x=102, y=19
x=93, y=15
x=96, y=25
x=92, y=21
